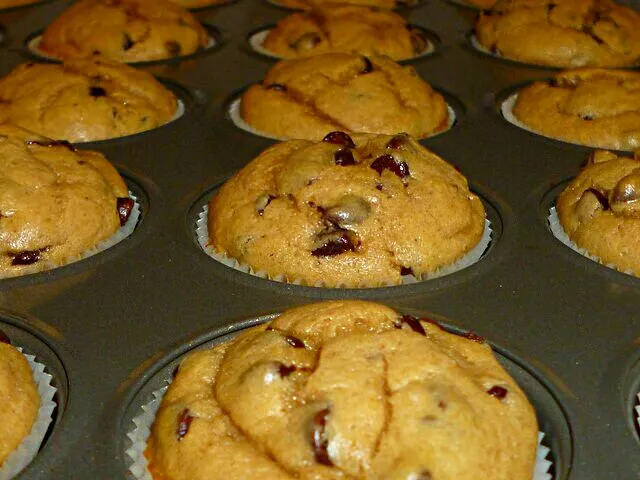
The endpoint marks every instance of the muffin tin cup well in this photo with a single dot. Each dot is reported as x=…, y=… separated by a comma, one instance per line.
x=473, y=256
x=233, y=112
x=406, y=4
x=256, y=38
x=215, y=40
x=139, y=414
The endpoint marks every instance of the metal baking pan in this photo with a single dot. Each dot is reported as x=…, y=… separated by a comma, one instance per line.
x=112, y=326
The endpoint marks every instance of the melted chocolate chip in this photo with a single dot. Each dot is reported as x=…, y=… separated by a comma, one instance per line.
x=497, y=392
x=127, y=43
x=319, y=439
x=413, y=322
x=587, y=117
x=388, y=162
x=173, y=47
x=184, y=422
x=294, y=342
x=51, y=143
x=4, y=338
x=406, y=271
x=339, y=138
x=344, y=157
x=602, y=198
x=368, y=66
x=27, y=257
x=474, y=337
x=379, y=186
x=286, y=370
x=397, y=142
x=276, y=86
x=97, y=92
x=124, y=206
x=335, y=243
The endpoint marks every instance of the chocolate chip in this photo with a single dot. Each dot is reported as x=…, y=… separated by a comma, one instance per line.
x=339, y=138
x=368, y=66
x=586, y=117
x=442, y=405
x=262, y=202
x=350, y=211
x=344, y=157
x=294, y=342
x=174, y=372
x=413, y=322
x=184, y=422
x=27, y=257
x=335, y=243
x=550, y=7
x=4, y=338
x=497, y=392
x=173, y=47
x=388, y=162
x=423, y=475
x=286, y=370
x=398, y=141
x=319, y=439
x=127, y=43
x=124, y=206
x=97, y=92
x=276, y=86
x=474, y=337
x=308, y=41
x=601, y=197
x=625, y=196
x=406, y=271
x=379, y=186
x=51, y=143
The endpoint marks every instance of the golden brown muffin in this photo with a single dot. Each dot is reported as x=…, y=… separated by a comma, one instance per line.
x=56, y=202
x=600, y=210
x=84, y=100
x=124, y=30
x=16, y=3
x=348, y=29
x=562, y=33
x=346, y=212
x=308, y=97
x=344, y=390
x=594, y=107
x=18, y=396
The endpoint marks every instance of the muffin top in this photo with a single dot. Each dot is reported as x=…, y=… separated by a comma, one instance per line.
x=600, y=210
x=123, y=30
x=344, y=389
x=56, y=202
x=346, y=212
x=594, y=107
x=567, y=33
x=348, y=29
x=18, y=396
x=308, y=97
x=84, y=100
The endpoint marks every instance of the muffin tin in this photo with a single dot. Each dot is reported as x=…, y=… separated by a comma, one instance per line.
x=112, y=326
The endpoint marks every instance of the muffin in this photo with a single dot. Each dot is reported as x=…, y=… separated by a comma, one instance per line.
x=594, y=107
x=194, y=4
x=567, y=33
x=18, y=396
x=308, y=97
x=84, y=100
x=309, y=4
x=346, y=212
x=56, y=202
x=600, y=210
x=348, y=29
x=344, y=389
x=123, y=30
x=4, y=4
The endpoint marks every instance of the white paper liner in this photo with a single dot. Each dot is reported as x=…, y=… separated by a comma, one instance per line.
x=234, y=114
x=257, y=40
x=33, y=46
x=27, y=450
x=202, y=234
x=142, y=429
x=558, y=231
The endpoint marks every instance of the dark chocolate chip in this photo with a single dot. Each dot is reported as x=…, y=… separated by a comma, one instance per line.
x=406, y=271
x=294, y=342
x=127, y=43
x=344, y=157
x=602, y=198
x=474, y=337
x=379, y=186
x=398, y=141
x=27, y=257
x=124, y=206
x=339, y=138
x=184, y=422
x=319, y=438
x=388, y=162
x=497, y=392
x=173, y=47
x=335, y=243
x=423, y=475
x=97, y=92
x=4, y=338
x=587, y=117
x=413, y=322
x=368, y=66
x=52, y=143
x=276, y=86
x=286, y=370
x=550, y=7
